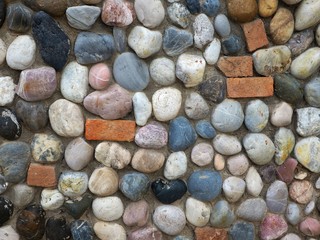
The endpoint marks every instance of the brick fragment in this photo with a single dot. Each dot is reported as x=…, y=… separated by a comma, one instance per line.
x=40, y=175
x=241, y=66
x=255, y=35
x=207, y=233
x=110, y=130
x=249, y=87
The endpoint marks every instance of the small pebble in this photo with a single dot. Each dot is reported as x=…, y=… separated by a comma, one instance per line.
x=103, y=182
x=176, y=165
x=254, y=182
x=293, y=213
x=99, y=76
x=284, y=142
x=233, y=188
x=222, y=25
x=57, y=228
x=149, y=13
x=176, y=41
x=153, y=135
x=195, y=106
x=117, y=13
x=81, y=229
x=268, y=173
x=205, y=129
x=134, y=185
x=252, y=210
x=212, y=51
x=105, y=230
x=219, y=162
x=310, y=207
x=202, y=154
x=317, y=184
x=107, y=208
x=273, y=226
x=162, y=71
x=277, y=197
x=242, y=230
x=203, y=30
x=227, y=144
x=51, y=199
x=256, y=115
x=7, y=90
x=179, y=14
x=232, y=44
x=168, y=192
x=6, y=210
x=136, y=214
x=286, y=171
x=142, y=108
x=210, y=7
x=3, y=50
x=197, y=212
x=301, y=191
x=147, y=160
x=238, y=164
x=82, y=17
x=222, y=215
x=73, y=184
x=310, y=227
x=301, y=175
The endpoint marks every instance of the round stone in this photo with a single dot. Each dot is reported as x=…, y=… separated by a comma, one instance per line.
x=277, y=197
x=293, y=213
x=6, y=210
x=103, y=182
x=3, y=184
x=288, y=88
x=267, y=8
x=273, y=226
x=195, y=106
x=168, y=192
x=310, y=207
x=268, y=173
x=153, y=135
x=227, y=144
x=117, y=13
x=253, y=209
x=162, y=71
x=165, y=215
x=301, y=191
x=99, y=76
x=281, y=114
x=134, y=185
x=254, y=182
x=107, y=208
x=222, y=25
x=82, y=17
x=147, y=160
x=212, y=51
x=227, y=116
x=176, y=165
x=73, y=184
x=105, y=230
x=259, y=147
x=203, y=30
x=256, y=116
x=136, y=214
x=205, y=129
x=242, y=10
x=142, y=108
x=312, y=92
x=222, y=215
x=10, y=127
x=233, y=188
x=149, y=13
x=238, y=164
x=197, y=212
x=202, y=154
x=7, y=90
x=51, y=199
x=281, y=26
x=179, y=14
x=205, y=185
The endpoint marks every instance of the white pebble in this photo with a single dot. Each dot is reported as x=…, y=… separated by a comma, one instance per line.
x=227, y=144
x=233, y=188
x=7, y=91
x=112, y=231
x=51, y=199
x=142, y=108
x=238, y=164
x=162, y=71
x=254, y=182
x=197, y=212
x=107, y=208
x=176, y=165
x=281, y=114
x=212, y=51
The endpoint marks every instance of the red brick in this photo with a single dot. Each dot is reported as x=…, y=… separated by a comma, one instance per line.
x=110, y=130
x=241, y=66
x=255, y=35
x=42, y=175
x=209, y=233
x=249, y=87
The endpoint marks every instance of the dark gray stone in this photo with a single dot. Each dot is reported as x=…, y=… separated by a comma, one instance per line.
x=300, y=41
x=81, y=229
x=213, y=89
x=288, y=88
x=168, y=192
x=176, y=41
x=134, y=185
x=120, y=39
x=10, y=127
x=77, y=207
x=82, y=17
x=242, y=230
x=232, y=45
x=19, y=17
x=2, y=12
x=57, y=228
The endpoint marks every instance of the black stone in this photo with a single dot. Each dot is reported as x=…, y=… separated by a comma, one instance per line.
x=53, y=43
x=81, y=230
x=19, y=17
x=213, y=89
x=193, y=6
x=10, y=127
x=57, y=228
x=2, y=12
x=31, y=222
x=168, y=191
x=34, y=115
x=6, y=210
x=76, y=208
x=268, y=173
x=288, y=88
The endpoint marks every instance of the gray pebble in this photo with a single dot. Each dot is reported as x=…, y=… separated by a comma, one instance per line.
x=253, y=209
x=82, y=17
x=195, y=106
x=277, y=197
x=293, y=213
x=176, y=41
x=179, y=14
x=308, y=121
x=312, y=92
x=222, y=25
x=256, y=115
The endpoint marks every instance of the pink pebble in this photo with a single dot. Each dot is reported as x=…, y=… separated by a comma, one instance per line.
x=286, y=170
x=99, y=76
x=272, y=227
x=310, y=227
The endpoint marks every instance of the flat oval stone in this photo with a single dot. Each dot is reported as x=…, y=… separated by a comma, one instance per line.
x=31, y=222
x=163, y=217
x=147, y=160
x=212, y=51
x=284, y=142
x=74, y=82
x=197, y=212
x=281, y=26
x=202, y=154
x=227, y=144
x=117, y=13
x=2, y=12
x=227, y=116
x=205, y=185
x=107, y=208
x=179, y=14
x=131, y=72
x=306, y=63
x=254, y=183
x=222, y=215
x=21, y=53
x=181, y=134
x=82, y=17
x=232, y=45
x=238, y=164
x=233, y=188
x=78, y=154
x=7, y=90
x=77, y=207
x=99, y=76
x=19, y=17
x=34, y=115
x=242, y=10
x=136, y=214
x=37, y=84
x=213, y=88
x=256, y=115
x=277, y=197
x=306, y=14
x=253, y=209
x=93, y=48
x=105, y=230
x=203, y=30
x=66, y=118
x=149, y=13
x=300, y=41
x=308, y=121
x=81, y=229
x=267, y=8
x=51, y=199
x=56, y=51
x=162, y=71
x=7, y=232
x=301, y=191
x=113, y=103
x=103, y=181
x=57, y=228
x=56, y=8
x=288, y=88
x=176, y=165
x=259, y=147
x=46, y=148
x=168, y=192
x=73, y=184
x=142, y=108
x=312, y=92
x=112, y=154
x=134, y=185
x=6, y=210
x=222, y=25
x=176, y=41
x=293, y=213
x=195, y=106
x=205, y=129
x=242, y=230
x=10, y=127
x=273, y=226
x=310, y=227
x=152, y=135
x=272, y=60
x=145, y=233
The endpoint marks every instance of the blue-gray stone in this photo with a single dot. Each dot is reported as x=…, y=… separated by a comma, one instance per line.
x=10, y=127
x=52, y=41
x=14, y=161
x=19, y=17
x=82, y=17
x=293, y=213
x=242, y=230
x=193, y=6
x=130, y=72
x=210, y=7
x=222, y=25
x=182, y=238
x=256, y=115
x=222, y=215
x=176, y=41
x=288, y=88
x=120, y=39
x=2, y=12
x=181, y=134
x=252, y=210
x=277, y=197
x=312, y=92
x=134, y=185
x=205, y=185
x=231, y=45
x=93, y=47
x=205, y=129
x=57, y=228
x=81, y=229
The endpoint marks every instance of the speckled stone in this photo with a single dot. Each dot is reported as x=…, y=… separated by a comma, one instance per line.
x=6, y=210
x=203, y=30
x=300, y=41
x=193, y=6
x=232, y=45
x=134, y=185
x=176, y=41
x=306, y=151
x=273, y=226
x=308, y=121
x=213, y=89
x=179, y=14
x=136, y=214
x=301, y=191
x=117, y=13
x=81, y=229
x=162, y=71
x=153, y=135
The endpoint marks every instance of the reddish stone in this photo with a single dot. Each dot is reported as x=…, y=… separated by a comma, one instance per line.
x=285, y=172
x=136, y=214
x=116, y=130
x=301, y=191
x=206, y=233
x=236, y=66
x=250, y=87
x=117, y=13
x=255, y=35
x=42, y=175
x=146, y=233
x=310, y=227
x=272, y=227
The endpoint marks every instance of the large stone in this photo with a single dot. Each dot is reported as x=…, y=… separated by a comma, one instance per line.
x=308, y=123
x=203, y=31
x=307, y=151
x=19, y=17
x=253, y=209
x=306, y=14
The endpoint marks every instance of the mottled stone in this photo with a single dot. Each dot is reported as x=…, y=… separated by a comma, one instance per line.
x=176, y=41
x=213, y=89
x=242, y=230
x=73, y=184
x=103, y=182
x=310, y=227
x=195, y=106
x=168, y=192
x=301, y=191
x=237, y=164
x=153, y=135
x=253, y=209
x=284, y=142
x=308, y=121
x=273, y=226
x=149, y=13
x=134, y=185
x=268, y=173
x=117, y=13
x=99, y=76
x=51, y=199
x=300, y=41
x=281, y=26
x=19, y=17
x=222, y=215
x=179, y=14
x=162, y=71
x=233, y=188
x=82, y=17
x=6, y=210
x=147, y=160
x=105, y=230
x=203, y=31
x=7, y=90
x=286, y=171
x=136, y=214
x=197, y=212
x=256, y=115
x=81, y=229
x=287, y=88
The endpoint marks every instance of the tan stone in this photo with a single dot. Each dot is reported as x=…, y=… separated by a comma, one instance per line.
x=267, y=7
x=282, y=26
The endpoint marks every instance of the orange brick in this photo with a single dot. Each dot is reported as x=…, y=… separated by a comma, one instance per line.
x=249, y=87
x=241, y=66
x=207, y=233
x=42, y=175
x=255, y=35
x=110, y=130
